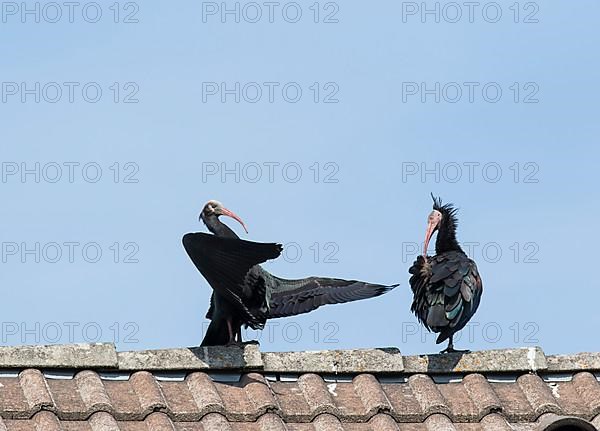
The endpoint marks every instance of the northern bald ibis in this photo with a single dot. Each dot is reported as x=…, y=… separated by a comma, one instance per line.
x=246, y=294
x=446, y=287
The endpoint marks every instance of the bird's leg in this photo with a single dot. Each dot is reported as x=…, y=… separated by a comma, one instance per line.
x=239, y=334
x=230, y=330
x=451, y=349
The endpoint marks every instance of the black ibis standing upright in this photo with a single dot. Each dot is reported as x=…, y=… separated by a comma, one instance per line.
x=246, y=294
x=446, y=287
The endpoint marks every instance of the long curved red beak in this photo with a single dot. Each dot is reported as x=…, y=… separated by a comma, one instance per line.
x=234, y=216
x=428, y=233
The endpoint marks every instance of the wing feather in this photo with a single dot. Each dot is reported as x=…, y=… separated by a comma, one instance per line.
x=292, y=297
x=226, y=262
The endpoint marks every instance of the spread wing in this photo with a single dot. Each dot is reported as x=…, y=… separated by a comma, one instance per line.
x=227, y=265
x=291, y=297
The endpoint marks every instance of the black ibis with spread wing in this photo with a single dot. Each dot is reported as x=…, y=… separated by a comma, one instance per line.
x=246, y=294
x=446, y=287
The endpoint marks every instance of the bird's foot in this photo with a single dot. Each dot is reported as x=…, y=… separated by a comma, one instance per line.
x=453, y=350
x=247, y=342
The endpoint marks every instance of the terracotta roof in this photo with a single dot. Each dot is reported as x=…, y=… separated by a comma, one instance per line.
x=94, y=388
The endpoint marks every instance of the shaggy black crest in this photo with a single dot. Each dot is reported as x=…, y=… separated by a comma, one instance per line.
x=446, y=239
x=448, y=209
x=437, y=203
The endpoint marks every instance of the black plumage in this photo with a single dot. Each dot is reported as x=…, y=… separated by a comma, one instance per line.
x=246, y=294
x=446, y=287
x=231, y=267
x=292, y=297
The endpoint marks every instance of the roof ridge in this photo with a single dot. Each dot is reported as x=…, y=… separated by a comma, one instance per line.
x=247, y=357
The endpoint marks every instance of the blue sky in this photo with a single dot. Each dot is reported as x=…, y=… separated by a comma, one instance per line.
x=349, y=178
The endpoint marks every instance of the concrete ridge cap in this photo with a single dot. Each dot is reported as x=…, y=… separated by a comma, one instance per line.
x=525, y=359
x=374, y=360
x=235, y=357
x=248, y=357
x=90, y=355
x=584, y=361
